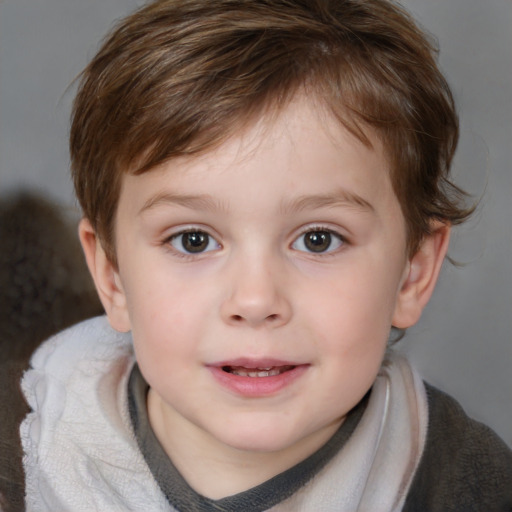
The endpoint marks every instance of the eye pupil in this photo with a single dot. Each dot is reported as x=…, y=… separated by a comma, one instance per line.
x=317, y=241
x=194, y=241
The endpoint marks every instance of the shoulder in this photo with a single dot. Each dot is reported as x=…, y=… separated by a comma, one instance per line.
x=72, y=364
x=56, y=363
x=465, y=466
x=77, y=439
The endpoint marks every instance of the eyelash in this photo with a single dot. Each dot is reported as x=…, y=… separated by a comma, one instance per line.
x=322, y=229
x=168, y=243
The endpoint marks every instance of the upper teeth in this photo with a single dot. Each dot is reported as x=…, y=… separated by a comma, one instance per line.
x=257, y=372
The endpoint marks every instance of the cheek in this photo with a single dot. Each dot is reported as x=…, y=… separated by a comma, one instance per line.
x=165, y=349
x=350, y=319
x=164, y=319
x=167, y=298
x=355, y=302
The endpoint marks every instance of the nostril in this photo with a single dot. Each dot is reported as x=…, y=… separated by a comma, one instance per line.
x=241, y=318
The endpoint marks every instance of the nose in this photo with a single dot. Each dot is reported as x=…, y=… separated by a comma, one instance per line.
x=257, y=296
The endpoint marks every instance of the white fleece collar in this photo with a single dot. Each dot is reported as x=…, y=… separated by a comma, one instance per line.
x=80, y=452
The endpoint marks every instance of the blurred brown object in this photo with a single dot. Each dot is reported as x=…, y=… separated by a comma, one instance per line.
x=44, y=287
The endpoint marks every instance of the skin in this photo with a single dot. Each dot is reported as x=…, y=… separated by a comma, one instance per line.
x=256, y=290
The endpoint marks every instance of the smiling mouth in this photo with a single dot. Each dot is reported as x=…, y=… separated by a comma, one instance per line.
x=272, y=371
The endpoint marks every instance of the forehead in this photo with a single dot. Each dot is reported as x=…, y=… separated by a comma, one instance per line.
x=298, y=151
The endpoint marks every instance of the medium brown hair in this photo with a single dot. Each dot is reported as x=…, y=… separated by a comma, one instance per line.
x=178, y=77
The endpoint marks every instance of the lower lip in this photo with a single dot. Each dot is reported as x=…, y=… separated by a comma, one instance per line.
x=253, y=387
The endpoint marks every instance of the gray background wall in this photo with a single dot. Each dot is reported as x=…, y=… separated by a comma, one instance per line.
x=463, y=343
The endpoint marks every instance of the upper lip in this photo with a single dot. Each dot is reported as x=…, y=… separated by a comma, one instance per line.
x=258, y=363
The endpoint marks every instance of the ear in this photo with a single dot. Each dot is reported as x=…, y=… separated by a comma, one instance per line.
x=420, y=276
x=106, y=278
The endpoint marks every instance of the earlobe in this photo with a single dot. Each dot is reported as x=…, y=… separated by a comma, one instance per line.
x=106, y=278
x=421, y=276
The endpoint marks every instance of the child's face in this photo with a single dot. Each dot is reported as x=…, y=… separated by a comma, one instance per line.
x=261, y=281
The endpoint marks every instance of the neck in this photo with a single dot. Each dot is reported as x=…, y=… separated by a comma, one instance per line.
x=216, y=470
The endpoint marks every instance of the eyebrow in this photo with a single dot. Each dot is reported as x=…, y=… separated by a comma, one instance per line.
x=340, y=197
x=206, y=202
x=203, y=202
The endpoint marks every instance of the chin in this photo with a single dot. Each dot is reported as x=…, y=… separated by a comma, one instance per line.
x=258, y=445
x=258, y=437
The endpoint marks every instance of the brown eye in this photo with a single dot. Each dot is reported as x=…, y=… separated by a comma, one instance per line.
x=318, y=241
x=193, y=242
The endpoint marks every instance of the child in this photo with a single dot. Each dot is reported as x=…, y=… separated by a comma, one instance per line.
x=266, y=194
